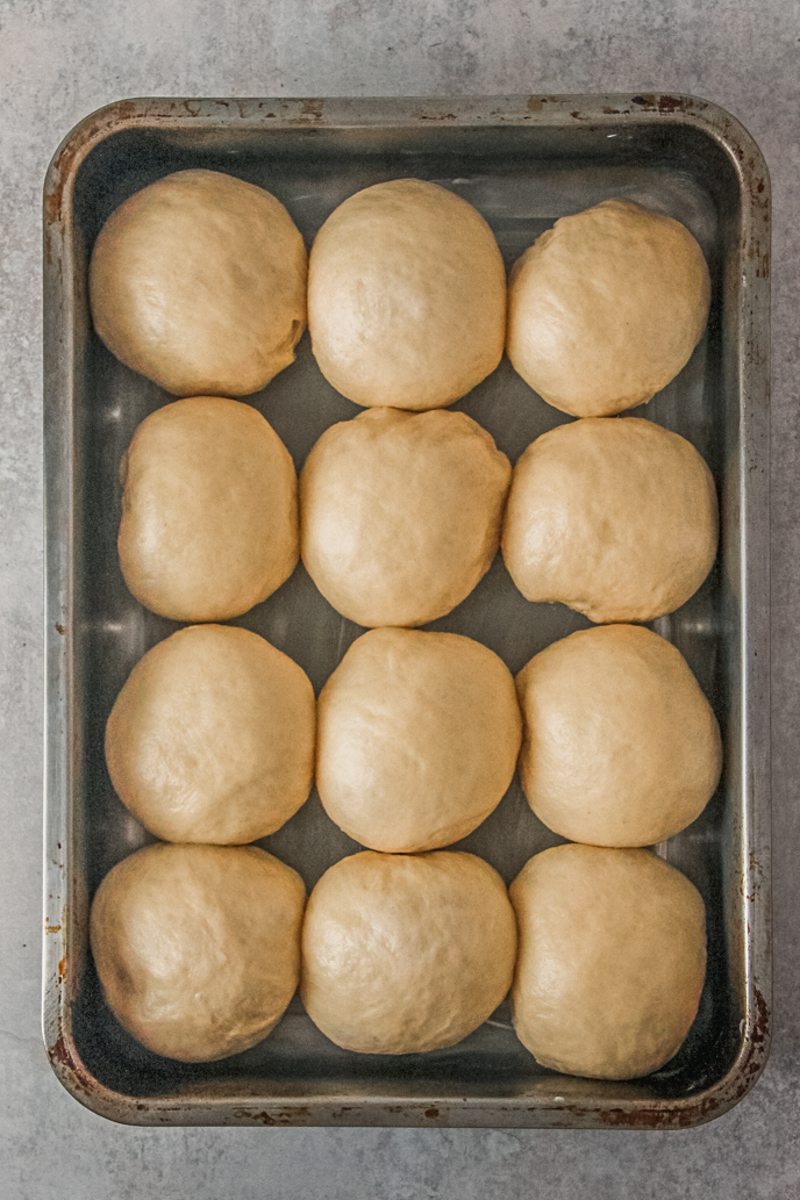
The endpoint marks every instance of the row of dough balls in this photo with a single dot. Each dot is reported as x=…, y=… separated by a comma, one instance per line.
x=401, y=514
x=604, y=952
x=200, y=281
x=216, y=738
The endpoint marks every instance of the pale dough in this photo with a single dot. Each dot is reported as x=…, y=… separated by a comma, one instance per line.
x=621, y=746
x=611, y=962
x=406, y=296
x=606, y=308
x=198, y=281
x=615, y=517
x=406, y=953
x=418, y=736
x=209, y=510
x=198, y=947
x=211, y=738
x=401, y=513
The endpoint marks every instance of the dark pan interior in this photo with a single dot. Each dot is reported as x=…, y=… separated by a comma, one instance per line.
x=521, y=179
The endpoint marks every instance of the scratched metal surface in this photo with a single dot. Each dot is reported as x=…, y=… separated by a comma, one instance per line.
x=523, y=163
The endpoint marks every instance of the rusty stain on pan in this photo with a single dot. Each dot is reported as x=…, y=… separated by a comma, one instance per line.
x=312, y=108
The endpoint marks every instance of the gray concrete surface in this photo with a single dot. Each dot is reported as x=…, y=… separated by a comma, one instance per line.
x=57, y=62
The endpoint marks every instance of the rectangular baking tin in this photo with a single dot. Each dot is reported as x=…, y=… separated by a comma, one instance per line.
x=523, y=161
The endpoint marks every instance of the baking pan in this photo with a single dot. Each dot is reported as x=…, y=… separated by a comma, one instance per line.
x=523, y=161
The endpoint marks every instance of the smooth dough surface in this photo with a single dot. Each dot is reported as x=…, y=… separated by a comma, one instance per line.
x=621, y=746
x=198, y=947
x=198, y=281
x=406, y=296
x=418, y=738
x=406, y=953
x=615, y=517
x=611, y=961
x=209, y=510
x=606, y=308
x=401, y=513
x=211, y=738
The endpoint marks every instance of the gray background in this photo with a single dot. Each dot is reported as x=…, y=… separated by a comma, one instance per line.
x=58, y=61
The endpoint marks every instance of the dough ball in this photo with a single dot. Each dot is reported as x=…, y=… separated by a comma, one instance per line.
x=198, y=947
x=418, y=738
x=621, y=746
x=615, y=517
x=401, y=513
x=209, y=510
x=406, y=296
x=611, y=963
x=606, y=308
x=406, y=953
x=212, y=737
x=199, y=282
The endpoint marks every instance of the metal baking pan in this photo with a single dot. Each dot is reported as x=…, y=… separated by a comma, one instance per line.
x=523, y=161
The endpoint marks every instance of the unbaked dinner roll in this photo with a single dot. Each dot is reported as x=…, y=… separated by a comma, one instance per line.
x=405, y=953
x=418, y=738
x=209, y=510
x=212, y=737
x=198, y=947
x=401, y=513
x=621, y=746
x=606, y=308
x=198, y=281
x=615, y=517
x=611, y=962
x=406, y=296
